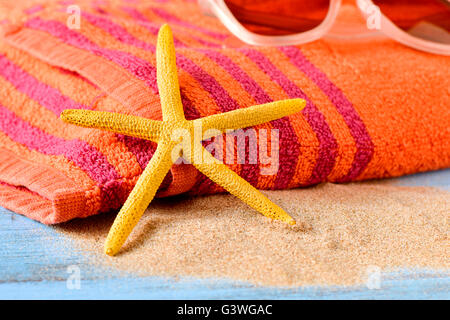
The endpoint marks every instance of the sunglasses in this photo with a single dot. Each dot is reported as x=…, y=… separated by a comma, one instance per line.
x=421, y=24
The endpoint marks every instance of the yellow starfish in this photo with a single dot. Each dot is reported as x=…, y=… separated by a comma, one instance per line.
x=162, y=132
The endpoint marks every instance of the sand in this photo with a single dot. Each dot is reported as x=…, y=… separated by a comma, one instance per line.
x=347, y=229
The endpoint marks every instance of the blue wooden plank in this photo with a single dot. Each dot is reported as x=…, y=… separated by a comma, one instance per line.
x=439, y=179
x=34, y=262
x=407, y=286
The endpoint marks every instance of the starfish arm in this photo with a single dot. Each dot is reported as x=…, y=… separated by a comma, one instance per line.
x=167, y=76
x=140, y=197
x=251, y=116
x=237, y=186
x=115, y=122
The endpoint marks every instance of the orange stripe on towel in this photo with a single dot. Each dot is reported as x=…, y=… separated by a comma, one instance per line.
x=345, y=143
x=120, y=84
x=51, y=196
x=105, y=142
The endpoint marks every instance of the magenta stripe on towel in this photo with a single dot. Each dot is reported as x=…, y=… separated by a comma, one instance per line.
x=289, y=146
x=117, y=31
x=209, y=83
x=52, y=99
x=140, y=148
x=248, y=171
x=80, y=153
x=327, y=143
x=34, y=9
x=357, y=128
x=138, y=67
x=173, y=19
x=243, y=78
x=143, y=150
x=76, y=39
x=124, y=36
x=47, y=96
x=154, y=28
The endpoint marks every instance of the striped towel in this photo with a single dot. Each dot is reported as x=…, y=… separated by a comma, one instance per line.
x=374, y=109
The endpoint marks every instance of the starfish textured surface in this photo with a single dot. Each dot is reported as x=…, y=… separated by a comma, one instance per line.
x=161, y=132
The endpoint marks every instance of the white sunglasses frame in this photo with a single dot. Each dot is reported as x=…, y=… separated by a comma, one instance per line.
x=387, y=27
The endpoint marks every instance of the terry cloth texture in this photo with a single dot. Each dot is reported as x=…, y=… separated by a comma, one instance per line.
x=374, y=109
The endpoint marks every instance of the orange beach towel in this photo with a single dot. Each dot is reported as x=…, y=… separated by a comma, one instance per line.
x=374, y=109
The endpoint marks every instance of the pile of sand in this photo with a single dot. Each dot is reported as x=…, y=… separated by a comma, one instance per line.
x=348, y=228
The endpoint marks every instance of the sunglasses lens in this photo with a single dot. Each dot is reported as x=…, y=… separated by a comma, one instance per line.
x=279, y=17
x=425, y=19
